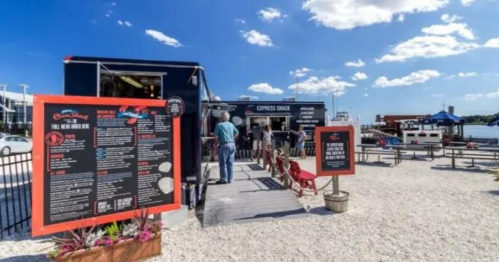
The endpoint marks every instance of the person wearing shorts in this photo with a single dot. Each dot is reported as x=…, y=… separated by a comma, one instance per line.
x=256, y=132
x=301, y=135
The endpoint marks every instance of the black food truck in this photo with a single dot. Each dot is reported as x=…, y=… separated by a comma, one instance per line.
x=281, y=116
x=127, y=78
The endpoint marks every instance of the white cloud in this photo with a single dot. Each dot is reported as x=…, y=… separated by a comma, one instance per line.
x=450, y=19
x=248, y=96
x=239, y=21
x=491, y=95
x=414, y=78
x=300, y=72
x=316, y=86
x=348, y=14
x=460, y=28
x=359, y=76
x=366, y=95
x=124, y=23
x=269, y=14
x=113, y=3
x=470, y=97
x=467, y=2
x=494, y=94
x=358, y=63
x=401, y=18
x=108, y=15
x=467, y=74
x=166, y=40
x=492, y=43
x=256, y=38
x=427, y=47
x=437, y=95
x=265, y=88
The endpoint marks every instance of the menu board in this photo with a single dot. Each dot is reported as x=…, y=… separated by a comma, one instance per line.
x=104, y=159
x=335, y=151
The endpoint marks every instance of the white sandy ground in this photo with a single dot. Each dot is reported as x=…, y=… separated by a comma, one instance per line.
x=416, y=211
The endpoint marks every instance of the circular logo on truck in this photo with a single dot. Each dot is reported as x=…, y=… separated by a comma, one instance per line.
x=175, y=106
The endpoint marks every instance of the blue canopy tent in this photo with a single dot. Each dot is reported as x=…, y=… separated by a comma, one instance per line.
x=444, y=118
x=449, y=120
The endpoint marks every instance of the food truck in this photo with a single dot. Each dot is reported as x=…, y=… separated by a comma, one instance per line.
x=127, y=78
x=281, y=116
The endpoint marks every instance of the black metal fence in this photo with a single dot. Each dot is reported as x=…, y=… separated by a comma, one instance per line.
x=15, y=193
x=16, y=128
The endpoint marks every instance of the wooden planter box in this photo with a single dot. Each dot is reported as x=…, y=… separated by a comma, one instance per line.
x=126, y=251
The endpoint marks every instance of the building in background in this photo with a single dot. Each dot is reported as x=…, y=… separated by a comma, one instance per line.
x=12, y=111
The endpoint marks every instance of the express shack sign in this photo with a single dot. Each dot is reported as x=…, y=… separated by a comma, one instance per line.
x=99, y=160
x=335, y=151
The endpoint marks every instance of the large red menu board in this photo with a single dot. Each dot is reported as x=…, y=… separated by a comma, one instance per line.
x=335, y=151
x=98, y=160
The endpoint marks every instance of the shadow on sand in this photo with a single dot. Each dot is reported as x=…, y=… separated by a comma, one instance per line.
x=321, y=211
x=28, y=258
x=377, y=164
x=494, y=192
x=461, y=168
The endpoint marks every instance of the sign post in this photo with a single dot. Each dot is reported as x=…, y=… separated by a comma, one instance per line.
x=335, y=157
x=99, y=160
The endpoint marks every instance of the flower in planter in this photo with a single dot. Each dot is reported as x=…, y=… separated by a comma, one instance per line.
x=79, y=241
x=130, y=230
x=146, y=228
x=94, y=238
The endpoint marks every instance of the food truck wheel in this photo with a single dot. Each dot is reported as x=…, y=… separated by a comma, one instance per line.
x=5, y=151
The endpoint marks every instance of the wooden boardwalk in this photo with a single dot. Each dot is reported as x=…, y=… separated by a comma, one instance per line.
x=253, y=196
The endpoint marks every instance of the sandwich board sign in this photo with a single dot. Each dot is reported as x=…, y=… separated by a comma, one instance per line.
x=335, y=151
x=99, y=160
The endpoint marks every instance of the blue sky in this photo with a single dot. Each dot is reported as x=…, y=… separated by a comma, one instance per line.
x=415, y=54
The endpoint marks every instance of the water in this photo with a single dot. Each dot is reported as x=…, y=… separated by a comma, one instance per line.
x=481, y=131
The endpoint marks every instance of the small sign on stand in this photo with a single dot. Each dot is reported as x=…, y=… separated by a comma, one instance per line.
x=335, y=156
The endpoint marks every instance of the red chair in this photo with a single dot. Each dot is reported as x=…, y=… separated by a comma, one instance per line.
x=280, y=167
x=268, y=157
x=304, y=178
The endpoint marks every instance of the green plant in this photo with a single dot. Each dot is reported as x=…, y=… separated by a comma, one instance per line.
x=113, y=231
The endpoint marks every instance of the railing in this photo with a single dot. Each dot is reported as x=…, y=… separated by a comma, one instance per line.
x=15, y=193
x=482, y=140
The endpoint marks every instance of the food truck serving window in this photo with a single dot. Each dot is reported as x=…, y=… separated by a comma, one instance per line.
x=279, y=123
x=130, y=84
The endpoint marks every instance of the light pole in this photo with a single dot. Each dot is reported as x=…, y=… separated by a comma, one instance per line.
x=24, y=87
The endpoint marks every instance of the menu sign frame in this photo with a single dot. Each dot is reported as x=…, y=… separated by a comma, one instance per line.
x=154, y=139
x=335, y=150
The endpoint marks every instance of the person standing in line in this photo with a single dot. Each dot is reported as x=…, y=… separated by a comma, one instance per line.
x=267, y=137
x=226, y=134
x=256, y=132
x=300, y=141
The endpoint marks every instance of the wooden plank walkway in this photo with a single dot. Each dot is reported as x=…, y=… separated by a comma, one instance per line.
x=253, y=196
